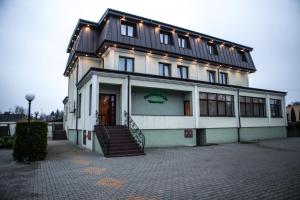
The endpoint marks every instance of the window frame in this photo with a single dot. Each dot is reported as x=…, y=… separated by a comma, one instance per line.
x=186, y=42
x=214, y=73
x=79, y=102
x=180, y=68
x=164, y=65
x=221, y=78
x=217, y=102
x=90, y=99
x=162, y=38
x=212, y=49
x=127, y=24
x=277, y=105
x=125, y=67
x=249, y=103
x=242, y=56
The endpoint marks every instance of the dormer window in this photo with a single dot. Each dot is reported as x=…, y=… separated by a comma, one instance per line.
x=212, y=48
x=242, y=55
x=128, y=29
x=165, y=37
x=183, y=42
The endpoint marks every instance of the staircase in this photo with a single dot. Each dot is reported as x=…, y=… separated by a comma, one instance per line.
x=117, y=141
x=58, y=132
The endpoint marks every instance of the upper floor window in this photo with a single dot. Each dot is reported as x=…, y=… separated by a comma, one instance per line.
x=242, y=55
x=275, y=106
x=164, y=69
x=182, y=72
x=79, y=106
x=211, y=76
x=126, y=64
x=252, y=107
x=128, y=29
x=165, y=37
x=183, y=42
x=223, y=78
x=216, y=104
x=212, y=48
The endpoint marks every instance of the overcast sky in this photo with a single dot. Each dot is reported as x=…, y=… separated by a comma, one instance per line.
x=34, y=36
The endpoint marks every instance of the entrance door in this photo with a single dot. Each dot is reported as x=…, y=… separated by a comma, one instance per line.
x=107, y=108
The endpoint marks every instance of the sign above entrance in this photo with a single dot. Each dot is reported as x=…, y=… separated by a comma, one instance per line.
x=156, y=98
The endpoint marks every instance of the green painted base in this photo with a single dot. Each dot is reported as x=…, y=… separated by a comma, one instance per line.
x=168, y=138
x=262, y=133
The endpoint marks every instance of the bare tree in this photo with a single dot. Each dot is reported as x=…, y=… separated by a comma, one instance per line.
x=36, y=114
x=19, y=110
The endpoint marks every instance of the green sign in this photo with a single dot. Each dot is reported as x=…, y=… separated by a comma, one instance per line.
x=156, y=98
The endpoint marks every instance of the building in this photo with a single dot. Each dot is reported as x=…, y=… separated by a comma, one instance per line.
x=180, y=87
x=296, y=108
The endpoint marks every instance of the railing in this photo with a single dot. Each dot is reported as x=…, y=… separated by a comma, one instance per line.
x=135, y=131
x=104, y=137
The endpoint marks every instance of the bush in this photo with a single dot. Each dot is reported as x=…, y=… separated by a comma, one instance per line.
x=30, y=144
x=6, y=142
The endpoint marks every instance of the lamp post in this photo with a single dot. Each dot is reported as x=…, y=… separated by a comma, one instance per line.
x=29, y=98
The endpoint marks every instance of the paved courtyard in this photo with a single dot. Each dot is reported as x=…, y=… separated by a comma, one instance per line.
x=265, y=170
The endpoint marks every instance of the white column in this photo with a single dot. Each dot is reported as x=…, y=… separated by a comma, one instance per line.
x=283, y=110
x=95, y=100
x=268, y=109
x=236, y=109
x=124, y=99
x=196, y=109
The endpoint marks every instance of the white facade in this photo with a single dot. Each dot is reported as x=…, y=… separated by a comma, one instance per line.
x=145, y=63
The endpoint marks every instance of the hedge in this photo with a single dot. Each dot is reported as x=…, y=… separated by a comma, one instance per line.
x=30, y=144
x=6, y=142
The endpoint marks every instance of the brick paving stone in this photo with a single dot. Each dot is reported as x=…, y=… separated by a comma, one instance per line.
x=264, y=170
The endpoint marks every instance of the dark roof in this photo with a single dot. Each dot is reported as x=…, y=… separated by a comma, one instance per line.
x=101, y=34
x=65, y=100
x=11, y=117
x=176, y=79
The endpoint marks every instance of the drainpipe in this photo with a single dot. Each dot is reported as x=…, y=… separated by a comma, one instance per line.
x=76, y=110
x=128, y=90
x=239, y=114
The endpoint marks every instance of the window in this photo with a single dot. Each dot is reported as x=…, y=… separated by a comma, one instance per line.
x=165, y=38
x=275, y=106
x=182, y=72
x=187, y=108
x=128, y=29
x=212, y=48
x=242, y=56
x=223, y=78
x=164, y=69
x=252, y=107
x=90, y=100
x=216, y=104
x=211, y=76
x=183, y=42
x=126, y=64
x=79, y=106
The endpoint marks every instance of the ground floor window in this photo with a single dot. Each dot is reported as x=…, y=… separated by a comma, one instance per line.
x=252, y=106
x=216, y=104
x=275, y=106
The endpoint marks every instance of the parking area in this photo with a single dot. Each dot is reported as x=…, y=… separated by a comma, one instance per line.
x=263, y=170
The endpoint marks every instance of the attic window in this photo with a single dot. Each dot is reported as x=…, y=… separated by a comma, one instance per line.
x=183, y=42
x=165, y=37
x=212, y=48
x=242, y=55
x=128, y=29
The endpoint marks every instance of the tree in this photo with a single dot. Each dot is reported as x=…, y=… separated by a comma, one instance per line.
x=19, y=110
x=293, y=115
x=36, y=114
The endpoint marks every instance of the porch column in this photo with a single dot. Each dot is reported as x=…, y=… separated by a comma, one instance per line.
x=196, y=105
x=124, y=99
x=283, y=111
x=268, y=109
x=95, y=100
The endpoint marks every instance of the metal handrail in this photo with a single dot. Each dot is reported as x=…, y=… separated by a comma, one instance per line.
x=135, y=131
x=104, y=135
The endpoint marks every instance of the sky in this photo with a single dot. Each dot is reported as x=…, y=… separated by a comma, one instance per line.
x=34, y=36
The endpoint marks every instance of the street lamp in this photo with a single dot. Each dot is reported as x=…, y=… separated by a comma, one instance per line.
x=29, y=98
